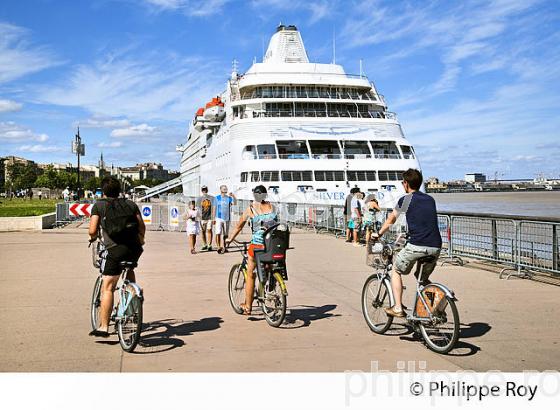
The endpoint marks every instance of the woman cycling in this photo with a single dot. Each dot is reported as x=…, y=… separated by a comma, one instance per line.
x=261, y=213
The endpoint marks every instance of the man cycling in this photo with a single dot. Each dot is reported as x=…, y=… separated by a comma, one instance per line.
x=125, y=245
x=424, y=235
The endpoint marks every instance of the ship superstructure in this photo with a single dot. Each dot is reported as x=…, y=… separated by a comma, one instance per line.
x=307, y=131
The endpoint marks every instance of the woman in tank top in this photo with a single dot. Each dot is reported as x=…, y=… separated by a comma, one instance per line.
x=260, y=213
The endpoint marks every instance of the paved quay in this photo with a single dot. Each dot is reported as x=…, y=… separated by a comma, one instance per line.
x=46, y=279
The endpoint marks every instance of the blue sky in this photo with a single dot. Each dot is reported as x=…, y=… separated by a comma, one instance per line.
x=476, y=84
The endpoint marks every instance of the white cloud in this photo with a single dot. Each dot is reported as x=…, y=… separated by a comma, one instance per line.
x=97, y=122
x=39, y=148
x=188, y=7
x=145, y=87
x=114, y=144
x=9, y=106
x=12, y=132
x=141, y=130
x=18, y=57
x=317, y=10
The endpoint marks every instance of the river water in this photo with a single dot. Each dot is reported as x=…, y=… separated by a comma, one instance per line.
x=541, y=203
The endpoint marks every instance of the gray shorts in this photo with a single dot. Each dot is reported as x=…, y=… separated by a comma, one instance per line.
x=408, y=256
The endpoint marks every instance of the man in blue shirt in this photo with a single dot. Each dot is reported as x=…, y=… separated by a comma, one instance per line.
x=224, y=201
x=424, y=236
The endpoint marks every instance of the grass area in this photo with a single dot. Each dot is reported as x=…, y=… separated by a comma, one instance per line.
x=21, y=207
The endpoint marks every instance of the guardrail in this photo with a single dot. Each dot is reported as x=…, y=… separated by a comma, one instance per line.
x=522, y=244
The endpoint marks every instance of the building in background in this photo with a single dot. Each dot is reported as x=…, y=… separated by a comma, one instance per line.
x=475, y=177
x=5, y=164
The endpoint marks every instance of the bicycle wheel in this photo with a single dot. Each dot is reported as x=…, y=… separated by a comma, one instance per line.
x=96, y=302
x=274, y=302
x=236, y=288
x=443, y=332
x=129, y=326
x=375, y=298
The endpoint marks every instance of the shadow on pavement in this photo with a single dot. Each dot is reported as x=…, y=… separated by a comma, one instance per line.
x=303, y=315
x=159, y=336
x=475, y=329
x=462, y=348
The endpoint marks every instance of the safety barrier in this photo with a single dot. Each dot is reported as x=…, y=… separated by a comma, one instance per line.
x=522, y=244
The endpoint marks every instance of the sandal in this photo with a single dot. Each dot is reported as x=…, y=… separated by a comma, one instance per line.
x=246, y=310
x=99, y=333
x=193, y=251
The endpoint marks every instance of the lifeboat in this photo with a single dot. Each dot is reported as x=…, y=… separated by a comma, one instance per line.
x=214, y=110
x=199, y=119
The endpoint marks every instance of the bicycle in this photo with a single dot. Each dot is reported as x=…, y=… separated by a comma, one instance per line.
x=127, y=312
x=435, y=315
x=271, y=292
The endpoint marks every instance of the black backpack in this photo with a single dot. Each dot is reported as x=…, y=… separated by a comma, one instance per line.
x=119, y=222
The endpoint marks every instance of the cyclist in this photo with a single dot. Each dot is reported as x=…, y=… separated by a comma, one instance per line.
x=125, y=245
x=423, y=230
x=261, y=213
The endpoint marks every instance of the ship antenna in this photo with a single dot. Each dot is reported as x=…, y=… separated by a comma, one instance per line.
x=234, y=66
x=334, y=46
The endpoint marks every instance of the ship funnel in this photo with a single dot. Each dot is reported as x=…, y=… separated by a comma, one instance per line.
x=286, y=46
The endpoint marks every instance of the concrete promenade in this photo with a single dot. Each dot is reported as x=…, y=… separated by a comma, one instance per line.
x=46, y=279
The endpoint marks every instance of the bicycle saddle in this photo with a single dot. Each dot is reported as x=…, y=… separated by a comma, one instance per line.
x=427, y=259
x=128, y=264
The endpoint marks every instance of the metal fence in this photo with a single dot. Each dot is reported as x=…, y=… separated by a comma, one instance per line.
x=521, y=244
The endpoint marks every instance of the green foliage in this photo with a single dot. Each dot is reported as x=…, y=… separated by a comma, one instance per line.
x=92, y=184
x=22, y=176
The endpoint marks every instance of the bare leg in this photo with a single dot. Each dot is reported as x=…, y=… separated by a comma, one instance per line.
x=219, y=240
x=396, y=284
x=250, y=285
x=203, y=234
x=107, y=289
x=192, y=241
x=210, y=236
x=355, y=235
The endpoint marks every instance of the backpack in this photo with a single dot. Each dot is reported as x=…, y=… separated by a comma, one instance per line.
x=120, y=222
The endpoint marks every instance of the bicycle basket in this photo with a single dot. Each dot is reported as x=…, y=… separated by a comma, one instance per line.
x=377, y=255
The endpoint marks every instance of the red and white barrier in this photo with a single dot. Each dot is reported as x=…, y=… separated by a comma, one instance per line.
x=80, y=209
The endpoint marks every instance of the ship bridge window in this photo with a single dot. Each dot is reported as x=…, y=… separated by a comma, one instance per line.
x=356, y=149
x=292, y=149
x=407, y=151
x=329, y=175
x=266, y=151
x=270, y=176
x=324, y=149
x=297, y=176
x=249, y=152
x=243, y=177
x=385, y=149
x=390, y=175
x=255, y=176
x=361, y=175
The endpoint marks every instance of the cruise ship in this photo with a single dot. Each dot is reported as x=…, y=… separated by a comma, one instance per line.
x=309, y=132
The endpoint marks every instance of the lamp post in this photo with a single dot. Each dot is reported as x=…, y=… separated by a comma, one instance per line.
x=79, y=149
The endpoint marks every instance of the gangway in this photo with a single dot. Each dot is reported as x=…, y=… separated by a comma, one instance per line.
x=161, y=188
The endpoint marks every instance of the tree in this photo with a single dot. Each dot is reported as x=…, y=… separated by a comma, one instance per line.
x=22, y=176
x=92, y=184
x=49, y=178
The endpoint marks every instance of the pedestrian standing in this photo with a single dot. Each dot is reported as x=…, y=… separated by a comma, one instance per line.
x=224, y=201
x=193, y=225
x=206, y=204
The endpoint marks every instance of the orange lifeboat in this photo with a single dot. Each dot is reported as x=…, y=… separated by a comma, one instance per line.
x=214, y=110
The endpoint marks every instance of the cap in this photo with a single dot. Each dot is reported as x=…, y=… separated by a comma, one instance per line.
x=204, y=187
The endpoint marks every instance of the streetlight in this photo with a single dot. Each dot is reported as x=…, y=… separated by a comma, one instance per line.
x=79, y=149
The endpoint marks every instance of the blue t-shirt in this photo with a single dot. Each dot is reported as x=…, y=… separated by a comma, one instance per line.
x=422, y=220
x=223, y=204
